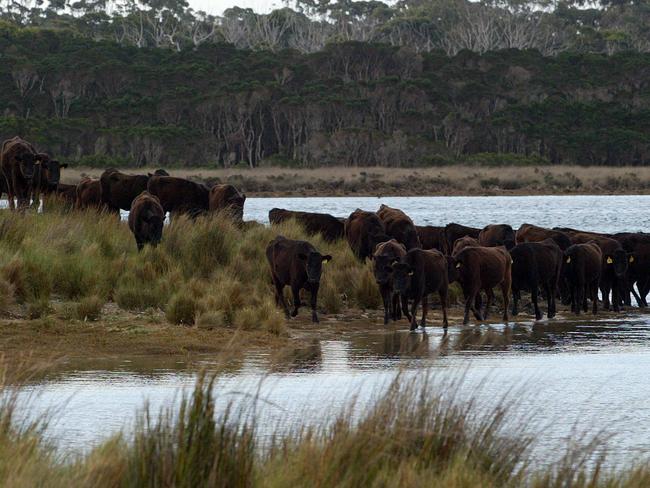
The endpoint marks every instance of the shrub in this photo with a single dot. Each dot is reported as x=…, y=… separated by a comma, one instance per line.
x=7, y=296
x=211, y=320
x=366, y=292
x=182, y=308
x=38, y=309
x=89, y=308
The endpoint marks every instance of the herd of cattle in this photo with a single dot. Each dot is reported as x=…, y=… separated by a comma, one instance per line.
x=409, y=262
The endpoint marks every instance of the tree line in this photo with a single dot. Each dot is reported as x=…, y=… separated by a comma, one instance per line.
x=90, y=95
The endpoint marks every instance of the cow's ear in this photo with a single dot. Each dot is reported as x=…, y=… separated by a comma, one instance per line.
x=63, y=165
x=302, y=256
x=327, y=258
x=243, y=195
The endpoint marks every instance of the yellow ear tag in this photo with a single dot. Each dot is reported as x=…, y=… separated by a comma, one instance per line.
x=458, y=265
x=410, y=273
x=325, y=262
x=609, y=261
x=631, y=259
x=568, y=260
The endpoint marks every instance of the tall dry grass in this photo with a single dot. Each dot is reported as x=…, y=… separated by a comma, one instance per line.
x=208, y=267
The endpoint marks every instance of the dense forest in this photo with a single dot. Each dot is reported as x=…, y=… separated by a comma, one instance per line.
x=321, y=83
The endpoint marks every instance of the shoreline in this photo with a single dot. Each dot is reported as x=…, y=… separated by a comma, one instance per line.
x=273, y=182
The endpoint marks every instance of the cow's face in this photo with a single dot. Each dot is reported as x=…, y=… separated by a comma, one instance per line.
x=26, y=163
x=383, y=268
x=314, y=265
x=52, y=169
x=402, y=277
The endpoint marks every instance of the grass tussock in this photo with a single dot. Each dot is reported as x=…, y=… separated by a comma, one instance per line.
x=206, y=271
x=413, y=434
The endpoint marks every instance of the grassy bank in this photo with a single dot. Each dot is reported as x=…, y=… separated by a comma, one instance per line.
x=445, y=180
x=411, y=436
x=73, y=282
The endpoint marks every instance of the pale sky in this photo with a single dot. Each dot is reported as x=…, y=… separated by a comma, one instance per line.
x=218, y=6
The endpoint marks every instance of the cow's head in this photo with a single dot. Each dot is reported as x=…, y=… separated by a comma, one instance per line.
x=402, y=277
x=52, y=170
x=27, y=162
x=314, y=265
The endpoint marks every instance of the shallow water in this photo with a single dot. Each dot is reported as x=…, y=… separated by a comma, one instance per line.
x=564, y=376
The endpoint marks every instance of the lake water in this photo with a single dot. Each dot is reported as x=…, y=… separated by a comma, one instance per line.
x=565, y=376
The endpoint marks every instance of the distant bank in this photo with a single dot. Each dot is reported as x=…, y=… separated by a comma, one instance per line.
x=445, y=180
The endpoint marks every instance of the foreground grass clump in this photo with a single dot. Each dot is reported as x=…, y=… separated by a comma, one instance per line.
x=412, y=435
x=207, y=267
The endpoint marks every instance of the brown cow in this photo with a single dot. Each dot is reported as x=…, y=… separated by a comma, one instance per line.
x=462, y=243
x=89, y=194
x=536, y=265
x=146, y=219
x=67, y=194
x=418, y=274
x=494, y=235
x=178, y=195
x=46, y=179
x=432, y=237
x=399, y=226
x=119, y=189
x=533, y=233
x=483, y=268
x=299, y=265
x=228, y=198
x=453, y=232
x=331, y=228
x=637, y=245
x=363, y=231
x=18, y=162
x=581, y=269
x=386, y=254
x=614, y=266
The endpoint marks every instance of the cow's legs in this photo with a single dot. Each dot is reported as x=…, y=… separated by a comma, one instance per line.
x=405, y=306
x=594, y=297
x=425, y=309
x=604, y=289
x=616, y=297
x=414, y=309
x=295, y=290
x=279, y=296
x=551, y=310
x=314, y=303
x=516, y=296
x=534, y=295
x=386, y=297
x=443, y=301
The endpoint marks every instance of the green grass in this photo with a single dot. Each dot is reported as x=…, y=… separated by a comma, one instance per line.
x=205, y=267
x=411, y=435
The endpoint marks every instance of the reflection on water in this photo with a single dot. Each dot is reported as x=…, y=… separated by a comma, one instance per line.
x=578, y=375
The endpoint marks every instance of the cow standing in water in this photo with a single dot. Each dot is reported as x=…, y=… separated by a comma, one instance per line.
x=418, y=274
x=536, y=265
x=387, y=254
x=582, y=269
x=296, y=264
x=483, y=268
